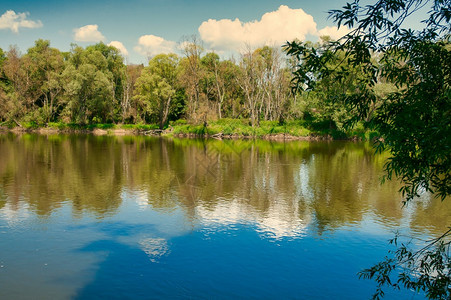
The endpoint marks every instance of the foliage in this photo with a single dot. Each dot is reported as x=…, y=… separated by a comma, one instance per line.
x=417, y=63
x=128, y=106
x=46, y=64
x=92, y=85
x=413, y=116
x=265, y=84
x=190, y=76
x=427, y=269
x=219, y=83
x=331, y=84
x=89, y=94
x=156, y=88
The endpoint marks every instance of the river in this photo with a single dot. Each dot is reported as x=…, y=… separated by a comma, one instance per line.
x=134, y=217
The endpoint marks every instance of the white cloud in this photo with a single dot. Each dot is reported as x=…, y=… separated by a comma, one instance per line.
x=120, y=47
x=150, y=45
x=333, y=32
x=277, y=27
x=11, y=20
x=88, y=33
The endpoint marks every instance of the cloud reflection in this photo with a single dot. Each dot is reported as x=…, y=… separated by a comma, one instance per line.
x=279, y=221
x=155, y=248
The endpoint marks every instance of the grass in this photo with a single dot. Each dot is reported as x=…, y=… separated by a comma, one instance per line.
x=296, y=128
x=241, y=127
x=229, y=127
x=138, y=126
x=104, y=126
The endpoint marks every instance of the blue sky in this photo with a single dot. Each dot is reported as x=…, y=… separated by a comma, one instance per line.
x=141, y=28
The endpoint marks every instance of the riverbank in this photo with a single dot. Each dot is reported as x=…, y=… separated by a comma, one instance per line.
x=220, y=129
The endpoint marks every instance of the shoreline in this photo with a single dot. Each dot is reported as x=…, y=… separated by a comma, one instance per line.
x=168, y=133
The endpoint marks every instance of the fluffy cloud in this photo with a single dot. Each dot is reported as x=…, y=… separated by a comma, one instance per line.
x=275, y=27
x=88, y=33
x=333, y=32
x=11, y=20
x=120, y=47
x=150, y=45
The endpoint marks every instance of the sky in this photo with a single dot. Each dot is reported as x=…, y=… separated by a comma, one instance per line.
x=143, y=28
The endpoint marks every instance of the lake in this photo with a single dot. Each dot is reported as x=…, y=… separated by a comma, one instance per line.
x=135, y=217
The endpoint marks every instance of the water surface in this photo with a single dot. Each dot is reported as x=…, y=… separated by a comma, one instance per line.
x=140, y=218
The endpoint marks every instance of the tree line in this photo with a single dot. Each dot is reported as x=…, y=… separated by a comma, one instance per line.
x=93, y=85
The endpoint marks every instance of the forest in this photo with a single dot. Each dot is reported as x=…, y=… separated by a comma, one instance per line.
x=93, y=85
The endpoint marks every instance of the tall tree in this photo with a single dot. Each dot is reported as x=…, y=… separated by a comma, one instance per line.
x=23, y=95
x=191, y=74
x=89, y=88
x=275, y=83
x=218, y=81
x=88, y=93
x=157, y=86
x=128, y=106
x=264, y=81
x=250, y=81
x=47, y=65
x=117, y=69
x=5, y=87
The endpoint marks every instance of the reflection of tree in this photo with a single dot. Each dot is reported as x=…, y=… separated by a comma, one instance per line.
x=345, y=182
x=46, y=171
x=281, y=187
x=430, y=214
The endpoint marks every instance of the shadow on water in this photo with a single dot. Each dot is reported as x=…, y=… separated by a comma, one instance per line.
x=128, y=259
x=124, y=267
x=224, y=265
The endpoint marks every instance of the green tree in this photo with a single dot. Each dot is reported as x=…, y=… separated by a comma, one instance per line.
x=218, y=82
x=117, y=74
x=157, y=86
x=88, y=93
x=34, y=83
x=4, y=87
x=21, y=95
x=47, y=65
x=413, y=120
x=210, y=81
x=331, y=84
x=93, y=82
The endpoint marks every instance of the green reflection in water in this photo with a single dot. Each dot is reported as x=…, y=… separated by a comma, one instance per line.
x=281, y=186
